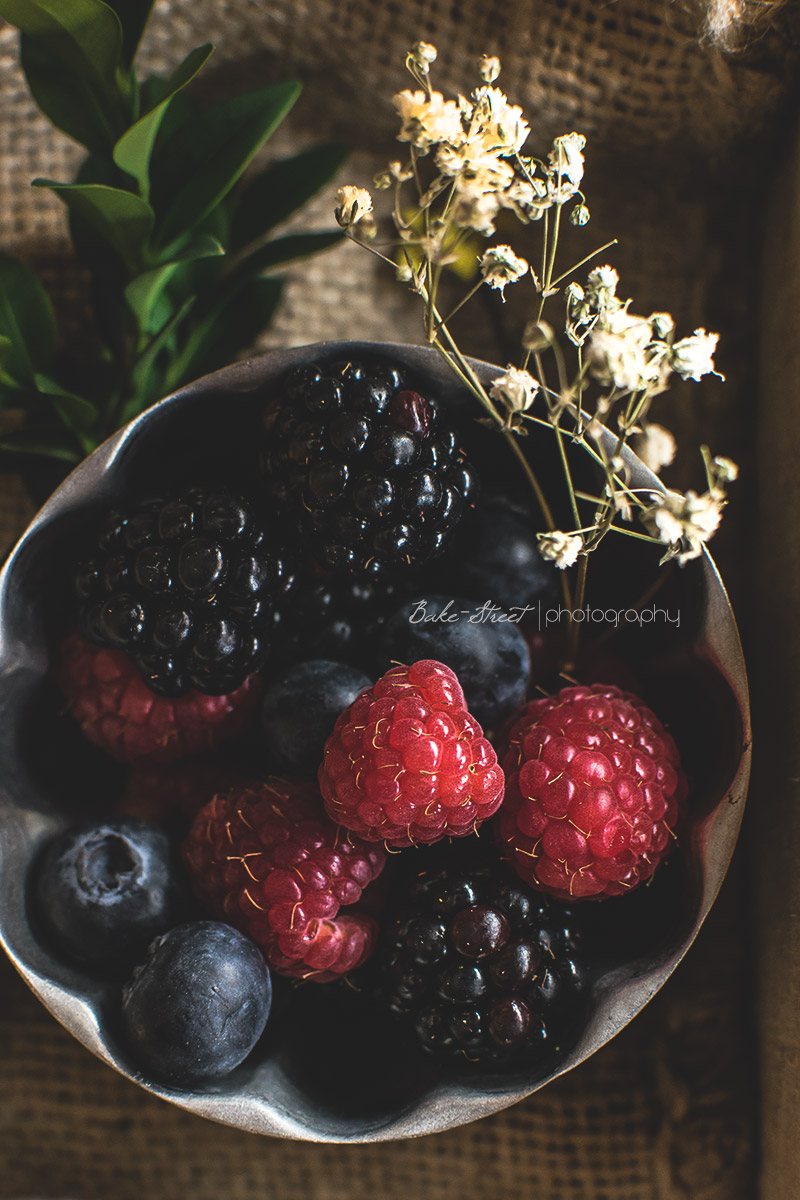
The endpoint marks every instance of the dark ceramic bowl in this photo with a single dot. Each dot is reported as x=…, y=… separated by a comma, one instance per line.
x=322, y=1072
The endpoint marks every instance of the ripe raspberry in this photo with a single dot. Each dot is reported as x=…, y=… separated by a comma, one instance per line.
x=119, y=713
x=406, y=763
x=265, y=858
x=594, y=789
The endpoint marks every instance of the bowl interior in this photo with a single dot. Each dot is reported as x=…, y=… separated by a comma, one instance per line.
x=330, y=1067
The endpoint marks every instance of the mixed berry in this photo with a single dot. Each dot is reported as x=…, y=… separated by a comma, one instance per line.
x=373, y=478
x=480, y=967
x=315, y=723
x=187, y=587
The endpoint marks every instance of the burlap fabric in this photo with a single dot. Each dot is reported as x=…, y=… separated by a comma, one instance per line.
x=666, y=1111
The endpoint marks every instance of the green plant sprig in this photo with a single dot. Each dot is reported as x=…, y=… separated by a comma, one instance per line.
x=180, y=250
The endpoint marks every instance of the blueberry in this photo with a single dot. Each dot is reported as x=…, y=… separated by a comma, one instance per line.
x=298, y=711
x=495, y=557
x=104, y=891
x=490, y=657
x=198, y=1004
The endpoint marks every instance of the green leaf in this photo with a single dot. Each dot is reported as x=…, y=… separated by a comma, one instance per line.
x=230, y=327
x=133, y=17
x=133, y=151
x=281, y=189
x=38, y=442
x=143, y=292
x=288, y=249
x=200, y=162
x=75, y=412
x=122, y=220
x=71, y=52
x=6, y=346
x=27, y=320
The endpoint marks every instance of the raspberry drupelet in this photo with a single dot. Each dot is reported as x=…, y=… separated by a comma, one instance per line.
x=594, y=791
x=406, y=763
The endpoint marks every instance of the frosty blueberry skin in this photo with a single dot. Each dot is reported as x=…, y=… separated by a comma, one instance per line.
x=198, y=1004
x=102, y=892
x=299, y=710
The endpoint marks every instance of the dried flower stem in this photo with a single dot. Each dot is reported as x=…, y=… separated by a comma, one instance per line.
x=466, y=165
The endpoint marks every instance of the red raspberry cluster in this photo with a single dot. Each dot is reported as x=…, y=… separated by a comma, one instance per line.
x=594, y=790
x=118, y=712
x=264, y=858
x=406, y=763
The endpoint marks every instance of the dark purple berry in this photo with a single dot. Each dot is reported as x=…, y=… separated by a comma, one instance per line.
x=102, y=892
x=468, y=965
x=198, y=1004
x=189, y=588
x=364, y=470
x=300, y=708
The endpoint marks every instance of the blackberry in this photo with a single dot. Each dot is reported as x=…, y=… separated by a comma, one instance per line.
x=189, y=588
x=365, y=467
x=482, y=968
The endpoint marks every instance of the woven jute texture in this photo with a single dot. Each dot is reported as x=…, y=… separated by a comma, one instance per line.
x=667, y=1110
x=778, y=671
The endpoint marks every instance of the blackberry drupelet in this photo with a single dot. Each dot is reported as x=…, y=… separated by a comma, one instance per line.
x=365, y=467
x=189, y=588
x=483, y=968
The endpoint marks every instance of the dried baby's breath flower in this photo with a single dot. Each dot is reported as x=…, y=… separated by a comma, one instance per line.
x=692, y=357
x=587, y=306
x=619, y=353
x=501, y=266
x=601, y=290
x=537, y=336
x=422, y=55
x=353, y=204
x=622, y=503
x=489, y=68
x=727, y=470
x=685, y=521
x=466, y=169
x=427, y=120
x=566, y=162
x=527, y=198
x=477, y=211
x=662, y=325
x=496, y=123
x=396, y=172
x=562, y=549
x=655, y=446
x=515, y=390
